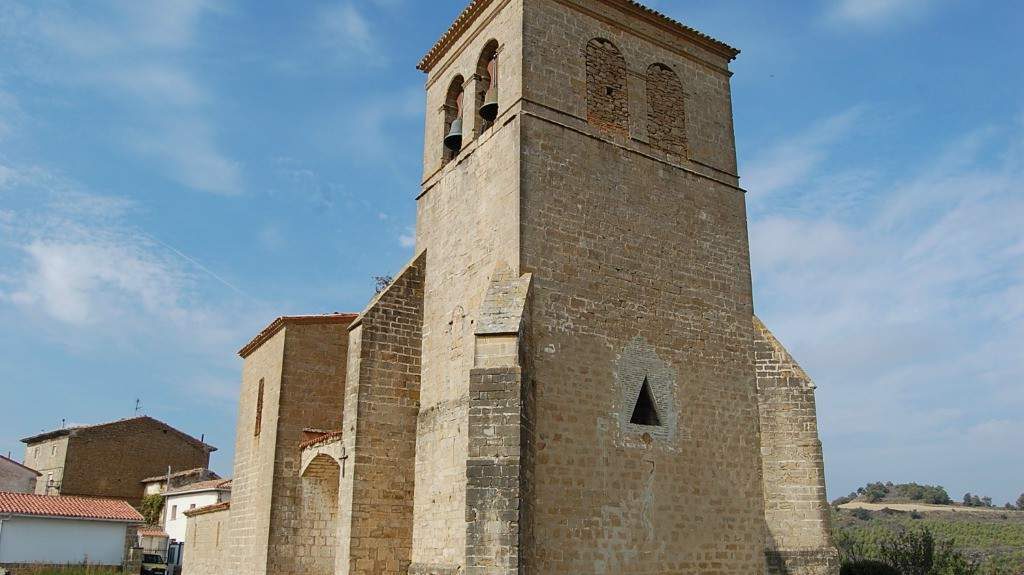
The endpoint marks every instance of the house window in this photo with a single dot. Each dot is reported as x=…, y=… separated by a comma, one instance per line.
x=174, y=512
x=35, y=453
x=191, y=506
x=53, y=449
x=259, y=410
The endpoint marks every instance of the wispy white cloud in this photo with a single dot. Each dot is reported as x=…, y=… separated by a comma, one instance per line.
x=875, y=13
x=71, y=259
x=345, y=35
x=793, y=159
x=908, y=310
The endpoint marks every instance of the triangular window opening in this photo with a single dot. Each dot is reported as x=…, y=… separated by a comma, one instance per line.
x=645, y=412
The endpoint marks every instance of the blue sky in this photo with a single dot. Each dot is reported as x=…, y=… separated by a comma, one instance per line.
x=175, y=174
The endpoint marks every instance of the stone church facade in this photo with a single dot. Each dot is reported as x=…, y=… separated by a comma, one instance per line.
x=568, y=377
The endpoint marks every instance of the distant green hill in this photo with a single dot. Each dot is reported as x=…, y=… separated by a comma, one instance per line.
x=993, y=539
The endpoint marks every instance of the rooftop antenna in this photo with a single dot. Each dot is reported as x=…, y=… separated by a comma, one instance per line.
x=138, y=405
x=62, y=422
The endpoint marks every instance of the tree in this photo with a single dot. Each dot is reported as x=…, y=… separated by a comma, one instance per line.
x=986, y=501
x=381, y=283
x=968, y=500
x=1020, y=502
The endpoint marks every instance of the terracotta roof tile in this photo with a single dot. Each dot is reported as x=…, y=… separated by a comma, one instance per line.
x=152, y=531
x=322, y=438
x=222, y=506
x=67, y=506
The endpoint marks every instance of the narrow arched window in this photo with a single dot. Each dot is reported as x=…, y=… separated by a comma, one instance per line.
x=452, y=142
x=607, y=104
x=487, y=87
x=666, y=115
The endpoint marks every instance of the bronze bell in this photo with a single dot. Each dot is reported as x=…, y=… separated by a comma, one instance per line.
x=453, y=141
x=489, y=110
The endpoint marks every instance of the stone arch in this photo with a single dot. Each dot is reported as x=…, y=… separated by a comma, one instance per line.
x=318, y=525
x=452, y=113
x=607, y=100
x=487, y=78
x=666, y=113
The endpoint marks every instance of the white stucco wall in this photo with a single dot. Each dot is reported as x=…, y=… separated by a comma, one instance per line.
x=45, y=540
x=175, y=528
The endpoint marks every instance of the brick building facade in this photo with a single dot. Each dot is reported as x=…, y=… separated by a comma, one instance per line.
x=568, y=377
x=111, y=459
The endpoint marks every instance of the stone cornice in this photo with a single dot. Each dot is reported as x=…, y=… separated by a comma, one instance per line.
x=469, y=15
x=276, y=325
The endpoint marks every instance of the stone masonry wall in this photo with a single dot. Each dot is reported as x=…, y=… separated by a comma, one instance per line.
x=206, y=543
x=253, y=479
x=493, y=496
x=466, y=222
x=312, y=396
x=47, y=457
x=130, y=451
x=796, y=506
x=16, y=478
x=555, y=76
x=640, y=266
x=317, y=537
x=607, y=107
x=666, y=114
x=381, y=404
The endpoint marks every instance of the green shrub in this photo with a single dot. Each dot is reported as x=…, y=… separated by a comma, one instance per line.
x=151, y=508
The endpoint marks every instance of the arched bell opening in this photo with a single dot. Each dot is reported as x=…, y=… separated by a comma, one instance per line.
x=607, y=106
x=666, y=110
x=453, y=118
x=487, y=83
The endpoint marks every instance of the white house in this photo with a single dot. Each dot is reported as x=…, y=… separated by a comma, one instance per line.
x=16, y=477
x=57, y=529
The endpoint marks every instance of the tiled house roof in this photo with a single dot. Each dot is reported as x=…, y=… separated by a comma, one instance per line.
x=222, y=506
x=67, y=506
x=210, y=485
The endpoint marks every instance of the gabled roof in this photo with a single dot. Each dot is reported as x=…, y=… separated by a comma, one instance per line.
x=209, y=485
x=21, y=465
x=276, y=325
x=176, y=474
x=222, y=506
x=476, y=7
x=67, y=506
x=141, y=419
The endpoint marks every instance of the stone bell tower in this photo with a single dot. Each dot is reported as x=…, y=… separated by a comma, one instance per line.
x=588, y=400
